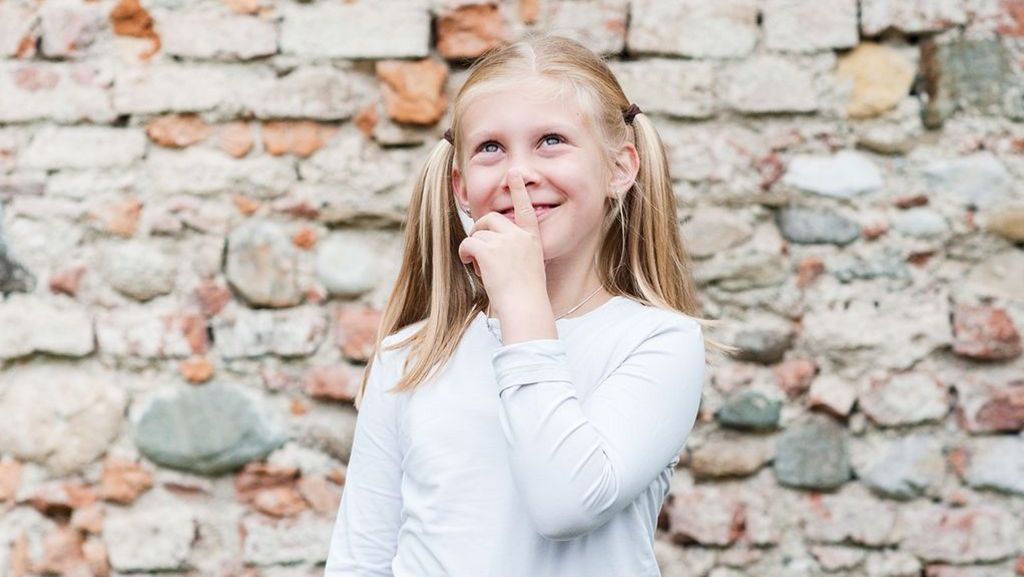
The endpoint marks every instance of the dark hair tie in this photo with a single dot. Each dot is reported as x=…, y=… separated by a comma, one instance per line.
x=628, y=116
x=631, y=113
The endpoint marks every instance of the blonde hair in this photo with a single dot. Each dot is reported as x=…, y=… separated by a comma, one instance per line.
x=641, y=257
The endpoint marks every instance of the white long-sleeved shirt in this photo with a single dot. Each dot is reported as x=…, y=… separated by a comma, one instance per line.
x=548, y=457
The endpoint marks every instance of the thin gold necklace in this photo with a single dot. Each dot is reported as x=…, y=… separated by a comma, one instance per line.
x=568, y=312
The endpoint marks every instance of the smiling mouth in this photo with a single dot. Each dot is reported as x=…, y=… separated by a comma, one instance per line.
x=540, y=209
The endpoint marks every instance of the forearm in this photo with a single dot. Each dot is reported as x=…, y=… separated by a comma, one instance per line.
x=526, y=320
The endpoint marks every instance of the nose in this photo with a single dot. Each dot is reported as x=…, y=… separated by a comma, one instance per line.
x=530, y=177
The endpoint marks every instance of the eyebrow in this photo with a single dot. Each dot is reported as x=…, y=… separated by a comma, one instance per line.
x=482, y=135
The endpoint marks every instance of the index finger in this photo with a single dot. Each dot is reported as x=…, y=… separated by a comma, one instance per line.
x=526, y=216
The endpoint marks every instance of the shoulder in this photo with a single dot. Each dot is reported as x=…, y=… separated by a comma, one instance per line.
x=402, y=334
x=649, y=319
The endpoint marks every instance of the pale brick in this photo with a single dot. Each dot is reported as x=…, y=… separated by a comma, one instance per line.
x=84, y=147
x=912, y=16
x=935, y=532
x=851, y=514
x=294, y=540
x=297, y=331
x=216, y=35
x=801, y=26
x=69, y=28
x=208, y=172
x=54, y=92
x=155, y=535
x=684, y=89
x=32, y=324
x=150, y=333
x=597, y=24
x=16, y=24
x=60, y=416
x=770, y=84
x=194, y=87
x=369, y=29
x=313, y=92
x=694, y=28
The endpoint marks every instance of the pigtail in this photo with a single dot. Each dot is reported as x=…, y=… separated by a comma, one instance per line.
x=431, y=284
x=659, y=264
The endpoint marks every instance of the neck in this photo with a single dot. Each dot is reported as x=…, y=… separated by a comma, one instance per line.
x=569, y=283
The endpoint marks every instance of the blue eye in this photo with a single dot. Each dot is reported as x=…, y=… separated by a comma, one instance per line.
x=543, y=139
x=553, y=135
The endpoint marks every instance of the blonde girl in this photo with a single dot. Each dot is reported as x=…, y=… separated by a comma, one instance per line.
x=540, y=360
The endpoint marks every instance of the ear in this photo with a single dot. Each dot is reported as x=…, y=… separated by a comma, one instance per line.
x=624, y=170
x=458, y=189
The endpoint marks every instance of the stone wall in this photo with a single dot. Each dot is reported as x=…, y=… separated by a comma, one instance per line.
x=200, y=215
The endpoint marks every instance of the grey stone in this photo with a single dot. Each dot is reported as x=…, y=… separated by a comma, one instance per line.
x=262, y=264
x=813, y=454
x=750, y=410
x=210, y=430
x=13, y=276
x=765, y=345
x=730, y=454
x=806, y=225
x=997, y=463
x=905, y=468
x=845, y=174
x=978, y=180
x=140, y=270
x=920, y=222
x=739, y=272
x=884, y=266
x=972, y=75
x=712, y=230
x=330, y=429
x=348, y=262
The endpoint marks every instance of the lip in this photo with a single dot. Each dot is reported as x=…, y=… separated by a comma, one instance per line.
x=540, y=218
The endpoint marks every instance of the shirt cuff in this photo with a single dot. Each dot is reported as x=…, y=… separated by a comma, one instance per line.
x=530, y=362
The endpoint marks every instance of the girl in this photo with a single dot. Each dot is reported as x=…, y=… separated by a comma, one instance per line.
x=552, y=402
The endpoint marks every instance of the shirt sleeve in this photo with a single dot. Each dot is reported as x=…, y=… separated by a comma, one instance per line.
x=365, y=535
x=576, y=464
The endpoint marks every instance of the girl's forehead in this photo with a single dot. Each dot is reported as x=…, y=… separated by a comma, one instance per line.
x=535, y=101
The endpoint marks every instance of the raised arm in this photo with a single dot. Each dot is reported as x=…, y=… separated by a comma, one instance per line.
x=578, y=464
x=365, y=535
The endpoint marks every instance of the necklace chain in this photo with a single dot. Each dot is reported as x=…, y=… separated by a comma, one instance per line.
x=568, y=312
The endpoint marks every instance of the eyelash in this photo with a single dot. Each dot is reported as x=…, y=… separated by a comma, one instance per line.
x=542, y=139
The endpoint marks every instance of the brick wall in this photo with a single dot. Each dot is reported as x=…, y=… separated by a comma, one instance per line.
x=200, y=215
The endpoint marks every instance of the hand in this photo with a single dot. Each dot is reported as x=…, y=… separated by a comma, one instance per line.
x=508, y=256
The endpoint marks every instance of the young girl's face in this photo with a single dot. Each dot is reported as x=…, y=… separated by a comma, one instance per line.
x=560, y=158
